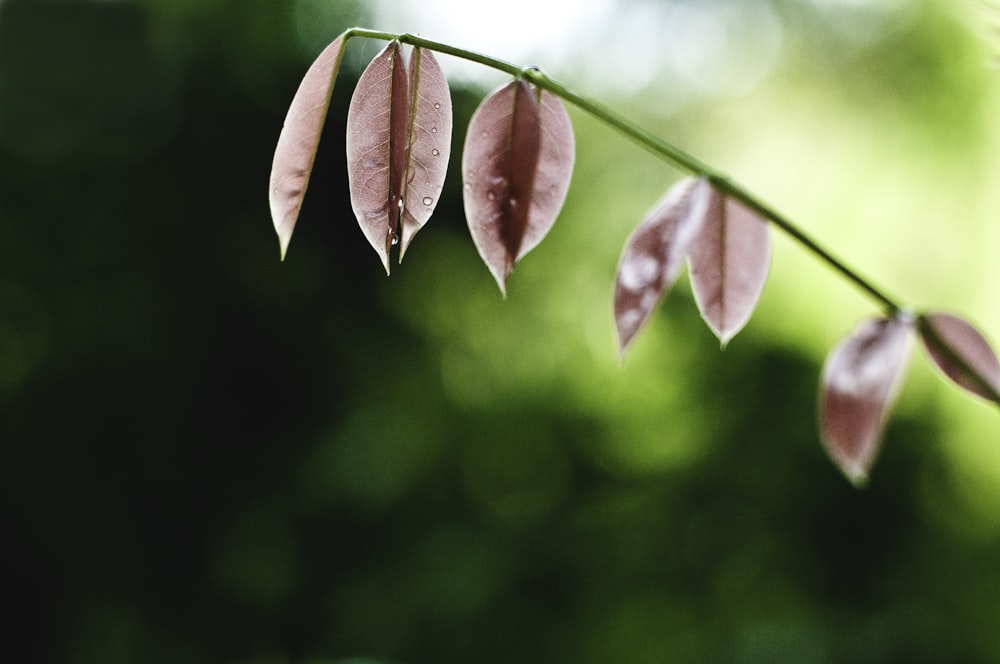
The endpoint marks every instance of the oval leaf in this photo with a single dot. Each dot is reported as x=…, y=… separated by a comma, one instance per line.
x=398, y=143
x=962, y=354
x=516, y=166
x=729, y=260
x=296, y=149
x=860, y=382
x=654, y=254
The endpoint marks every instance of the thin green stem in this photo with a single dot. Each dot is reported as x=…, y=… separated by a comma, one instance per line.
x=685, y=161
x=652, y=143
x=674, y=155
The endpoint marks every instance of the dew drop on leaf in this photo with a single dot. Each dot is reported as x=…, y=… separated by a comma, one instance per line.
x=387, y=145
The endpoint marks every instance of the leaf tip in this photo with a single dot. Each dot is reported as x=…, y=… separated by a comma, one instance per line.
x=857, y=477
x=854, y=469
x=284, y=232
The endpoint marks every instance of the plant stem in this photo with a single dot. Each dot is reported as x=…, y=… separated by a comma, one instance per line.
x=674, y=155
x=652, y=143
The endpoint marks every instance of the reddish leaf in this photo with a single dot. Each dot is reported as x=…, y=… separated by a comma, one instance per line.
x=654, y=255
x=398, y=144
x=516, y=166
x=429, y=146
x=962, y=354
x=729, y=261
x=299, y=139
x=859, y=386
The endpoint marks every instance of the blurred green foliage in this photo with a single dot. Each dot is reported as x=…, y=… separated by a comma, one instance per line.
x=211, y=456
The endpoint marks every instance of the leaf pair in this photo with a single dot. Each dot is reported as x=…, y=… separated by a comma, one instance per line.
x=862, y=376
x=516, y=168
x=728, y=250
x=398, y=144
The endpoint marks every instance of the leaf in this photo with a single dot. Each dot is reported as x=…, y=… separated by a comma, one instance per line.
x=299, y=139
x=961, y=353
x=398, y=144
x=860, y=383
x=654, y=255
x=516, y=166
x=729, y=260
x=430, y=143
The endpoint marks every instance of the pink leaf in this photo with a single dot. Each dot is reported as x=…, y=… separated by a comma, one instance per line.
x=962, y=354
x=860, y=382
x=398, y=144
x=516, y=166
x=729, y=261
x=299, y=139
x=654, y=255
x=430, y=144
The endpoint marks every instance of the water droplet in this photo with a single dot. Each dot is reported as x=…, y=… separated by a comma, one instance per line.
x=395, y=240
x=490, y=195
x=434, y=130
x=428, y=200
x=435, y=152
x=437, y=105
x=468, y=187
x=400, y=204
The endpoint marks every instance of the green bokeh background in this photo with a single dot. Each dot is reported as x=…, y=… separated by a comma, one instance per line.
x=212, y=456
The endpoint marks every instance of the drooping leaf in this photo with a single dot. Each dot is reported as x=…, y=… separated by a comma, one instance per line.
x=961, y=353
x=729, y=260
x=860, y=382
x=516, y=167
x=654, y=255
x=398, y=144
x=429, y=144
x=299, y=139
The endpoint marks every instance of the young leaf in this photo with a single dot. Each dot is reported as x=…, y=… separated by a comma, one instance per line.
x=654, y=255
x=729, y=260
x=517, y=164
x=961, y=353
x=299, y=139
x=860, y=382
x=398, y=144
